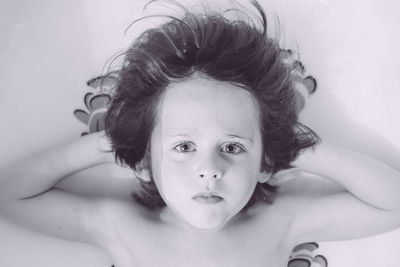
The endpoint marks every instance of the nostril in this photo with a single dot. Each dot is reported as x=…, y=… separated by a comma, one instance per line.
x=216, y=176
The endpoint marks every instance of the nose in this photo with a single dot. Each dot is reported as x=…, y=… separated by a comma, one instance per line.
x=210, y=169
x=210, y=177
x=214, y=175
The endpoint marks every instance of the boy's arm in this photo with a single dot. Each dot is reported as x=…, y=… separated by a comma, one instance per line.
x=368, y=179
x=28, y=196
x=370, y=205
x=41, y=171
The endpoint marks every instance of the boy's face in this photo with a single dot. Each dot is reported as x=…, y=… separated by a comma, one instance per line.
x=206, y=151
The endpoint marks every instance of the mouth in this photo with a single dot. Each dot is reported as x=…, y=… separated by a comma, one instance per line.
x=207, y=198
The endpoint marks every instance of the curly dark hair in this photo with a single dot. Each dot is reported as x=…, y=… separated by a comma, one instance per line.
x=234, y=51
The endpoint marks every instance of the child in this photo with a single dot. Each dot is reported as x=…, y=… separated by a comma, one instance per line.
x=204, y=110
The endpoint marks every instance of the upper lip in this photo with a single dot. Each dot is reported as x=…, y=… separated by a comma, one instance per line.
x=207, y=194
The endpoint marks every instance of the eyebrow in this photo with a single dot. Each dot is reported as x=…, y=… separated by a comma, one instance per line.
x=249, y=139
x=180, y=135
x=241, y=137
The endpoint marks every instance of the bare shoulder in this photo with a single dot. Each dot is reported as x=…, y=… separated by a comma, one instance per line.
x=114, y=216
x=279, y=215
x=114, y=208
x=122, y=227
x=275, y=222
x=334, y=216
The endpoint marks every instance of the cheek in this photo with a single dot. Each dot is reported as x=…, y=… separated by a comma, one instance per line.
x=175, y=169
x=241, y=179
x=174, y=177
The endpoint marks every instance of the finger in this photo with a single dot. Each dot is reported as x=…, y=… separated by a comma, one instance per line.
x=105, y=144
x=283, y=176
x=118, y=171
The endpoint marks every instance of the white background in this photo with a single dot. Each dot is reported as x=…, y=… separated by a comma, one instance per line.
x=49, y=49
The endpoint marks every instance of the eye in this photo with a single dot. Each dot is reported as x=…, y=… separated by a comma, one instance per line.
x=185, y=147
x=232, y=148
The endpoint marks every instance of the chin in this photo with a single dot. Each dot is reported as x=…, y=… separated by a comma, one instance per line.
x=207, y=226
x=210, y=221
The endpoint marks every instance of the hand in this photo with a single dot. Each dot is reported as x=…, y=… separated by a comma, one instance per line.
x=105, y=144
x=308, y=158
x=94, y=148
x=115, y=169
x=301, y=168
x=284, y=176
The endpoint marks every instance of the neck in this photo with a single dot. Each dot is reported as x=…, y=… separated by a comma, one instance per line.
x=170, y=218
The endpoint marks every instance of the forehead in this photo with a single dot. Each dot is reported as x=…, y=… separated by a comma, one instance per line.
x=203, y=104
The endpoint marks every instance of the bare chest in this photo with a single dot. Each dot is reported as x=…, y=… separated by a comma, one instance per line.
x=184, y=253
x=140, y=239
x=253, y=245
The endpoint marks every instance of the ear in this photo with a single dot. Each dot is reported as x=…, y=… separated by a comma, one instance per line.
x=142, y=171
x=264, y=177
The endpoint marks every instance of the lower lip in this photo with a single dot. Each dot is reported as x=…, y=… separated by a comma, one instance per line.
x=208, y=199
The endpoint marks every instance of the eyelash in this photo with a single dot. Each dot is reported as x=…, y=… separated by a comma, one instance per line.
x=237, y=146
x=239, y=149
x=180, y=145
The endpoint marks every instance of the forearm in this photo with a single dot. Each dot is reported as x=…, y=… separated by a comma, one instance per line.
x=366, y=178
x=41, y=171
